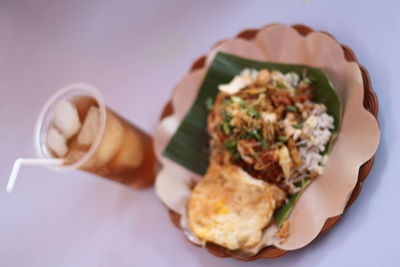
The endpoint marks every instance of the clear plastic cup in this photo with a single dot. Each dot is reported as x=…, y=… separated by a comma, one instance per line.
x=120, y=151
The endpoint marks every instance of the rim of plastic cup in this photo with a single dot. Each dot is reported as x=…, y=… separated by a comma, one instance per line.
x=87, y=90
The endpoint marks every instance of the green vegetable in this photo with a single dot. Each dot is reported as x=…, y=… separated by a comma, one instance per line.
x=264, y=144
x=209, y=103
x=252, y=112
x=227, y=128
x=226, y=116
x=256, y=134
x=303, y=182
x=230, y=144
x=277, y=144
x=297, y=126
x=247, y=136
x=283, y=212
x=283, y=138
x=236, y=156
x=236, y=99
x=226, y=102
x=291, y=108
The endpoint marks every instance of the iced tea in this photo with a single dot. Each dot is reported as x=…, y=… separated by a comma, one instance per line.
x=100, y=142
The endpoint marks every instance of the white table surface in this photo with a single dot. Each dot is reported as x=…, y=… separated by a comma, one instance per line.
x=135, y=52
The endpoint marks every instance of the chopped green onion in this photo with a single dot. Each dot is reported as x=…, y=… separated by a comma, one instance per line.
x=230, y=144
x=303, y=182
x=277, y=144
x=291, y=108
x=236, y=99
x=297, y=126
x=226, y=116
x=256, y=134
x=209, y=103
x=283, y=138
x=236, y=156
x=247, y=136
x=252, y=112
x=226, y=102
x=302, y=145
x=264, y=144
x=227, y=128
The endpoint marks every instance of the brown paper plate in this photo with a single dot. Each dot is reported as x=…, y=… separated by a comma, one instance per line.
x=370, y=103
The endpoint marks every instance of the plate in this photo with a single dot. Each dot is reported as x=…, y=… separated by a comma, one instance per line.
x=369, y=100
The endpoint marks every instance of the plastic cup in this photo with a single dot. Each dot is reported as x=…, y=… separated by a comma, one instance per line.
x=120, y=151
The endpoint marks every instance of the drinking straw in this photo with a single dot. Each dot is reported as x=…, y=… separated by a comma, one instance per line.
x=19, y=162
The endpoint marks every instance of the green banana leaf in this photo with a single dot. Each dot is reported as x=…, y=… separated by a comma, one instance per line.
x=189, y=145
x=283, y=212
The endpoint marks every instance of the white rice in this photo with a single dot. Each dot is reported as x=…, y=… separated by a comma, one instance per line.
x=312, y=160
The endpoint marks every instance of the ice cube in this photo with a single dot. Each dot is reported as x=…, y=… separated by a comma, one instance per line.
x=66, y=118
x=110, y=143
x=90, y=127
x=56, y=142
x=131, y=154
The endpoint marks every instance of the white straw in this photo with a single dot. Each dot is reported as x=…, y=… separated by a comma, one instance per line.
x=19, y=162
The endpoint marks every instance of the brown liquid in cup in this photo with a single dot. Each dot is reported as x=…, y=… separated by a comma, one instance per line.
x=125, y=153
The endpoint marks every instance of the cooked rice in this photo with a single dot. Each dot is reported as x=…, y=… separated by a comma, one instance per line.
x=237, y=136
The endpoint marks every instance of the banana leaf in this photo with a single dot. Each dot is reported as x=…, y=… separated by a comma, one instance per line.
x=189, y=145
x=281, y=214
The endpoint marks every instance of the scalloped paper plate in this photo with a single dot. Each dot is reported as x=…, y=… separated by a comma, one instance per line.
x=356, y=143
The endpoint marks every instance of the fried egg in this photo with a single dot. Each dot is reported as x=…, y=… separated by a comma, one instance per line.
x=230, y=208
